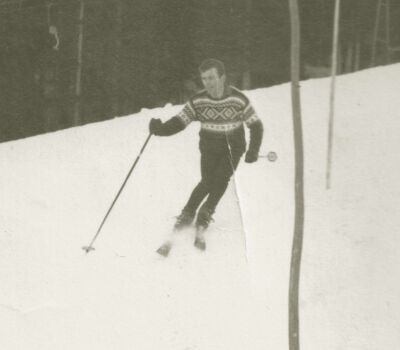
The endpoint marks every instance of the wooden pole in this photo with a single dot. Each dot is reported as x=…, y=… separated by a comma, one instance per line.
x=78, y=83
x=332, y=93
x=297, y=245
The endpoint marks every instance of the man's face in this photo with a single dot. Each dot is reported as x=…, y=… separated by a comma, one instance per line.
x=213, y=83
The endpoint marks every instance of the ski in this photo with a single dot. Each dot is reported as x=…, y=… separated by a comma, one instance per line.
x=165, y=249
x=184, y=220
x=199, y=242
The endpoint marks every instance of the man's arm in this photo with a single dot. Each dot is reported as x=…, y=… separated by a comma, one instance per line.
x=175, y=124
x=256, y=135
x=256, y=128
x=170, y=127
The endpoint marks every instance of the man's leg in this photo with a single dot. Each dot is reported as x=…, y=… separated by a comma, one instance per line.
x=218, y=186
x=221, y=178
x=209, y=163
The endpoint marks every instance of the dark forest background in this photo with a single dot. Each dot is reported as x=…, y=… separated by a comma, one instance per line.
x=69, y=62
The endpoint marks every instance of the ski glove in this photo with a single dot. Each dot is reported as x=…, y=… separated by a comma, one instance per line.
x=155, y=126
x=170, y=127
x=251, y=156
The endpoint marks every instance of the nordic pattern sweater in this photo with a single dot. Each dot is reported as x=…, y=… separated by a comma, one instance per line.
x=222, y=121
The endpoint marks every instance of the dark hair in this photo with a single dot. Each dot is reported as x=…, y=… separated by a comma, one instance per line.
x=212, y=63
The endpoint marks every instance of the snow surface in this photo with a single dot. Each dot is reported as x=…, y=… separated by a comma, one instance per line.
x=56, y=188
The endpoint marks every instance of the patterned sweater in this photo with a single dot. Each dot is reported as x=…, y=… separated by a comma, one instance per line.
x=222, y=121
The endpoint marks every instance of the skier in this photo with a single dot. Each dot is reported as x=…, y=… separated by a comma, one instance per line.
x=222, y=110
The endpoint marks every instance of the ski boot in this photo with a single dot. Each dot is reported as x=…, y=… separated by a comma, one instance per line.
x=184, y=219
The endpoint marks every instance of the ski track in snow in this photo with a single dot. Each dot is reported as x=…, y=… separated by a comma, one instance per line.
x=56, y=188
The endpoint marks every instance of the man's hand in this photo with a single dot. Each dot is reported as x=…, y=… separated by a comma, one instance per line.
x=155, y=126
x=251, y=156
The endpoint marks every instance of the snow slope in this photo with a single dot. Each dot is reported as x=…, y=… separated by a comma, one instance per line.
x=57, y=187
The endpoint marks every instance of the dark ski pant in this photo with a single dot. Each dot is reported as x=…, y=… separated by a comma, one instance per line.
x=216, y=171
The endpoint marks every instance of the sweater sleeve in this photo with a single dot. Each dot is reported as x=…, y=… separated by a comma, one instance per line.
x=188, y=114
x=171, y=127
x=179, y=122
x=249, y=115
x=255, y=126
x=256, y=135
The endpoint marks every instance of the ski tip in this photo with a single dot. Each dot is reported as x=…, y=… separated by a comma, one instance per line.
x=164, y=250
x=88, y=249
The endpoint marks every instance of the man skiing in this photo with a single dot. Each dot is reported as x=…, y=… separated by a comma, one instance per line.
x=222, y=110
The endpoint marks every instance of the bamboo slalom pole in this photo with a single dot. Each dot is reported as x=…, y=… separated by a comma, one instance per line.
x=297, y=245
x=332, y=93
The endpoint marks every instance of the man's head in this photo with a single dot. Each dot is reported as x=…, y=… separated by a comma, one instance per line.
x=212, y=73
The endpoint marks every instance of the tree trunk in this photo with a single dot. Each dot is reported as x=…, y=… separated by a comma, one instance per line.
x=349, y=58
x=78, y=83
x=246, y=77
x=116, y=76
x=297, y=244
x=357, y=56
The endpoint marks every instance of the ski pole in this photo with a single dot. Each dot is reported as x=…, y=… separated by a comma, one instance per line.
x=90, y=246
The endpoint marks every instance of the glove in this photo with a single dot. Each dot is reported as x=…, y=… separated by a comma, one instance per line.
x=155, y=126
x=251, y=156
